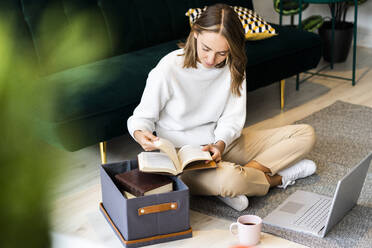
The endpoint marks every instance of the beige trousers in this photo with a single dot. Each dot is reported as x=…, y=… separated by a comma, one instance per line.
x=275, y=149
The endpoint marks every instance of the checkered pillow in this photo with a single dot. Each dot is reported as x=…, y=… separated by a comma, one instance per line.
x=255, y=27
x=194, y=14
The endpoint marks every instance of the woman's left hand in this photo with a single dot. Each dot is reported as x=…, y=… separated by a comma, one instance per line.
x=216, y=150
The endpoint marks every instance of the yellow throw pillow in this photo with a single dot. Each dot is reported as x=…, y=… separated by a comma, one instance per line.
x=194, y=14
x=255, y=27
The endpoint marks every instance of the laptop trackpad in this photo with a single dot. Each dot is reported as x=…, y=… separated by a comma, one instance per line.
x=291, y=207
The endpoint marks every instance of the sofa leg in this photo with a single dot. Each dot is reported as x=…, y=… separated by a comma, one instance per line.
x=282, y=87
x=102, y=148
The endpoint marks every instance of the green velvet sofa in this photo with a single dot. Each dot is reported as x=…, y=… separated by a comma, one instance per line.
x=94, y=57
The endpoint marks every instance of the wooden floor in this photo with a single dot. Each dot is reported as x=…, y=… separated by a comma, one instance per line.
x=75, y=205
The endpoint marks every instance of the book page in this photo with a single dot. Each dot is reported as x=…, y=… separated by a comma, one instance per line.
x=168, y=148
x=129, y=195
x=188, y=154
x=156, y=162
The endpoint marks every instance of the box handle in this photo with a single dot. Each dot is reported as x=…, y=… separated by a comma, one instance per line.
x=158, y=208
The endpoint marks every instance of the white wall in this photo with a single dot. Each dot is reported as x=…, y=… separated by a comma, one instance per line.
x=364, y=37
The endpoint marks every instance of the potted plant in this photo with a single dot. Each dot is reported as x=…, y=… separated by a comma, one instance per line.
x=343, y=32
x=291, y=8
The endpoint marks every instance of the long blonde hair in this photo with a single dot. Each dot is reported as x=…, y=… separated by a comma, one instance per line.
x=222, y=19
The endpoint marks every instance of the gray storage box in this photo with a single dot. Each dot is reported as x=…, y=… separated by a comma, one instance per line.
x=144, y=220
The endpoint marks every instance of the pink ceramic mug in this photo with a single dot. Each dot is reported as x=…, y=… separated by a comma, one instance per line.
x=248, y=228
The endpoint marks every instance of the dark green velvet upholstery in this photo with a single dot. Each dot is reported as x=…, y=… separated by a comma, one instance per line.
x=105, y=85
x=98, y=97
x=144, y=23
x=11, y=14
x=280, y=57
x=62, y=28
x=95, y=55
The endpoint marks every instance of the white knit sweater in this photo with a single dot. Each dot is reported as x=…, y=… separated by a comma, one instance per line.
x=188, y=105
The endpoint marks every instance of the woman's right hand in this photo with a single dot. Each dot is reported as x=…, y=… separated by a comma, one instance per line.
x=145, y=139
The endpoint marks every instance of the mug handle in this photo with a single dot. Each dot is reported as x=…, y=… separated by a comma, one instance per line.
x=232, y=229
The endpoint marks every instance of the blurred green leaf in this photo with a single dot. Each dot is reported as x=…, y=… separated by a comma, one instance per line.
x=290, y=7
x=312, y=23
x=29, y=167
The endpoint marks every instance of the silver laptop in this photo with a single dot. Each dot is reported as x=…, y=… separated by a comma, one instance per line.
x=316, y=214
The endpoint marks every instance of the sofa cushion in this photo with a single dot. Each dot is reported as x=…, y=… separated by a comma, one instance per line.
x=97, y=98
x=104, y=85
x=290, y=52
x=144, y=23
x=66, y=33
x=289, y=40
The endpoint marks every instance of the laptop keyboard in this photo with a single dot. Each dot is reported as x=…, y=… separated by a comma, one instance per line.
x=316, y=215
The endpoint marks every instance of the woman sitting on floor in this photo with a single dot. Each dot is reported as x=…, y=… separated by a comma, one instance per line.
x=197, y=95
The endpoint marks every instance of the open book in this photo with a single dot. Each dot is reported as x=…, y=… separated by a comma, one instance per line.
x=168, y=160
